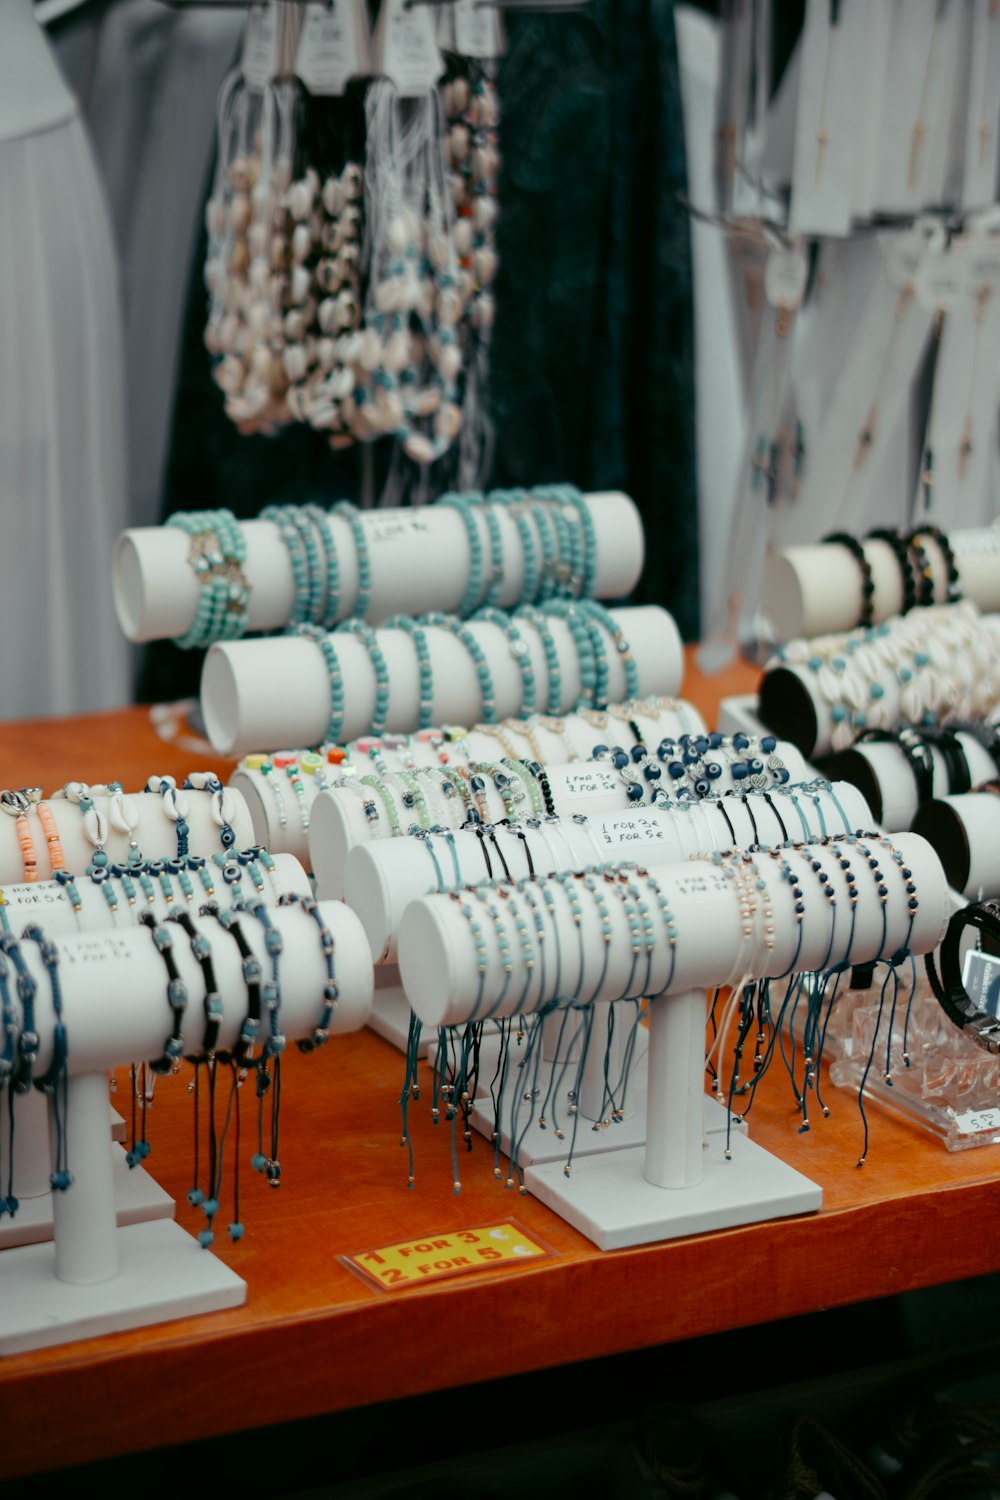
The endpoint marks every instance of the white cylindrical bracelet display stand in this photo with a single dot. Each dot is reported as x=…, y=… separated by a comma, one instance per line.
x=281, y=814
x=339, y=821
x=137, y=1196
x=965, y=832
x=383, y=877
x=925, y=664
x=882, y=773
x=612, y=1198
x=155, y=834
x=816, y=590
x=95, y=1279
x=419, y=560
x=259, y=694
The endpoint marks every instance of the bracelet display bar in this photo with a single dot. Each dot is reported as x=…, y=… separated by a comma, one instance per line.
x=419, y=559
x=96, y=1277
x=674, y=1185
x=137, y=1195
x=257, y=694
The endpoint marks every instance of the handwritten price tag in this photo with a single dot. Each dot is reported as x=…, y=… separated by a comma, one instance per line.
x=631, y=828
x=459, y=1253
x=977, y=1121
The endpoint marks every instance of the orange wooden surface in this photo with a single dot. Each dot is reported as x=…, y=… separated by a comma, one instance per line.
x=313, y=1337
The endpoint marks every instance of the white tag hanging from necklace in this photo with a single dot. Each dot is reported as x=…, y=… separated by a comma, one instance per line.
x=334, y=46
x=980, y=174
x=259, y=59
x=477, y=29
x=831, y=108
x=406, y=50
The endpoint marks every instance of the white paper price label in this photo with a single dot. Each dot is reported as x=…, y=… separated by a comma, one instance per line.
x=477, y=29
x=785, y=277
x=977, y=1121
x=590, y=783
x=397, y=529
x=259, y=62
x=624, y=830
x=333, y=46
x=407, y=49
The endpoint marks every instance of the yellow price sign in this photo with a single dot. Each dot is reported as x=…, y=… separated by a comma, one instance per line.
x=460, y=1252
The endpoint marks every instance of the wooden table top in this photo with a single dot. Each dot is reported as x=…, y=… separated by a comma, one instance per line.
x=314, y=1338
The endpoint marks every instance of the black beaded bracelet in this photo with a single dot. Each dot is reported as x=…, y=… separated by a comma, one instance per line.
x=954, y=592
x=904, y=560
x=253, y=975
x=854, y=547
x=202, y=950
x=922, y=568
x=177, y=995
x=949, y=989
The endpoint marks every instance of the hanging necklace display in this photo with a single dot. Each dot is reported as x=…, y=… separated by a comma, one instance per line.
x=758, y=484
x=980, y=168
x=924, y=69
x=836, y=79
x=954, y=488
x=472, y=114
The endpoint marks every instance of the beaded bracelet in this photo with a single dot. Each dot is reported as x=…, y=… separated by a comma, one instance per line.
x=177, y=996
x=335, y=723
x=474, y=597
x=331, y=989
x=413, y=798
x=331, y=565
x=480, y=661
x=57, y=859
x=212, y=1004
x=904, y=561
x=55, y=1080
x=369, y=640
x=253, y=975
x=270, y=993
x=519, y=650
x=28, y=1040
x=591, y=655
x=582, y=578
x=923, y=571
x=385, y=797
x=854, y=547
x=604, y=618
x=362, y=597
x=16, y=804
x=299, y=542
x=425, y=668
x=553, y=667
x=216, y=553
x=519, y=507
x=955, y=591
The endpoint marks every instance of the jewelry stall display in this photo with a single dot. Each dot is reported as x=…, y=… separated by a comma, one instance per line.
x=206, y=577
x=545, y=738
x=113, y=859
x=734, y=918
x=898, y=771
x=361, y=681
x=818, y=590
x=373, y=808
x=87, y=1003
x=929, y=666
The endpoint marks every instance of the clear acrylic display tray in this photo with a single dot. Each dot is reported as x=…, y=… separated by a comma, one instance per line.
x=951, y=1087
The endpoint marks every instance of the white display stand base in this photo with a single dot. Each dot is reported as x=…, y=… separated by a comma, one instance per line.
x=738, y=715
x=608, y=1199
x=390, y=1014
x=163, y=1273
x=137, y=1199
x=542, y=1145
